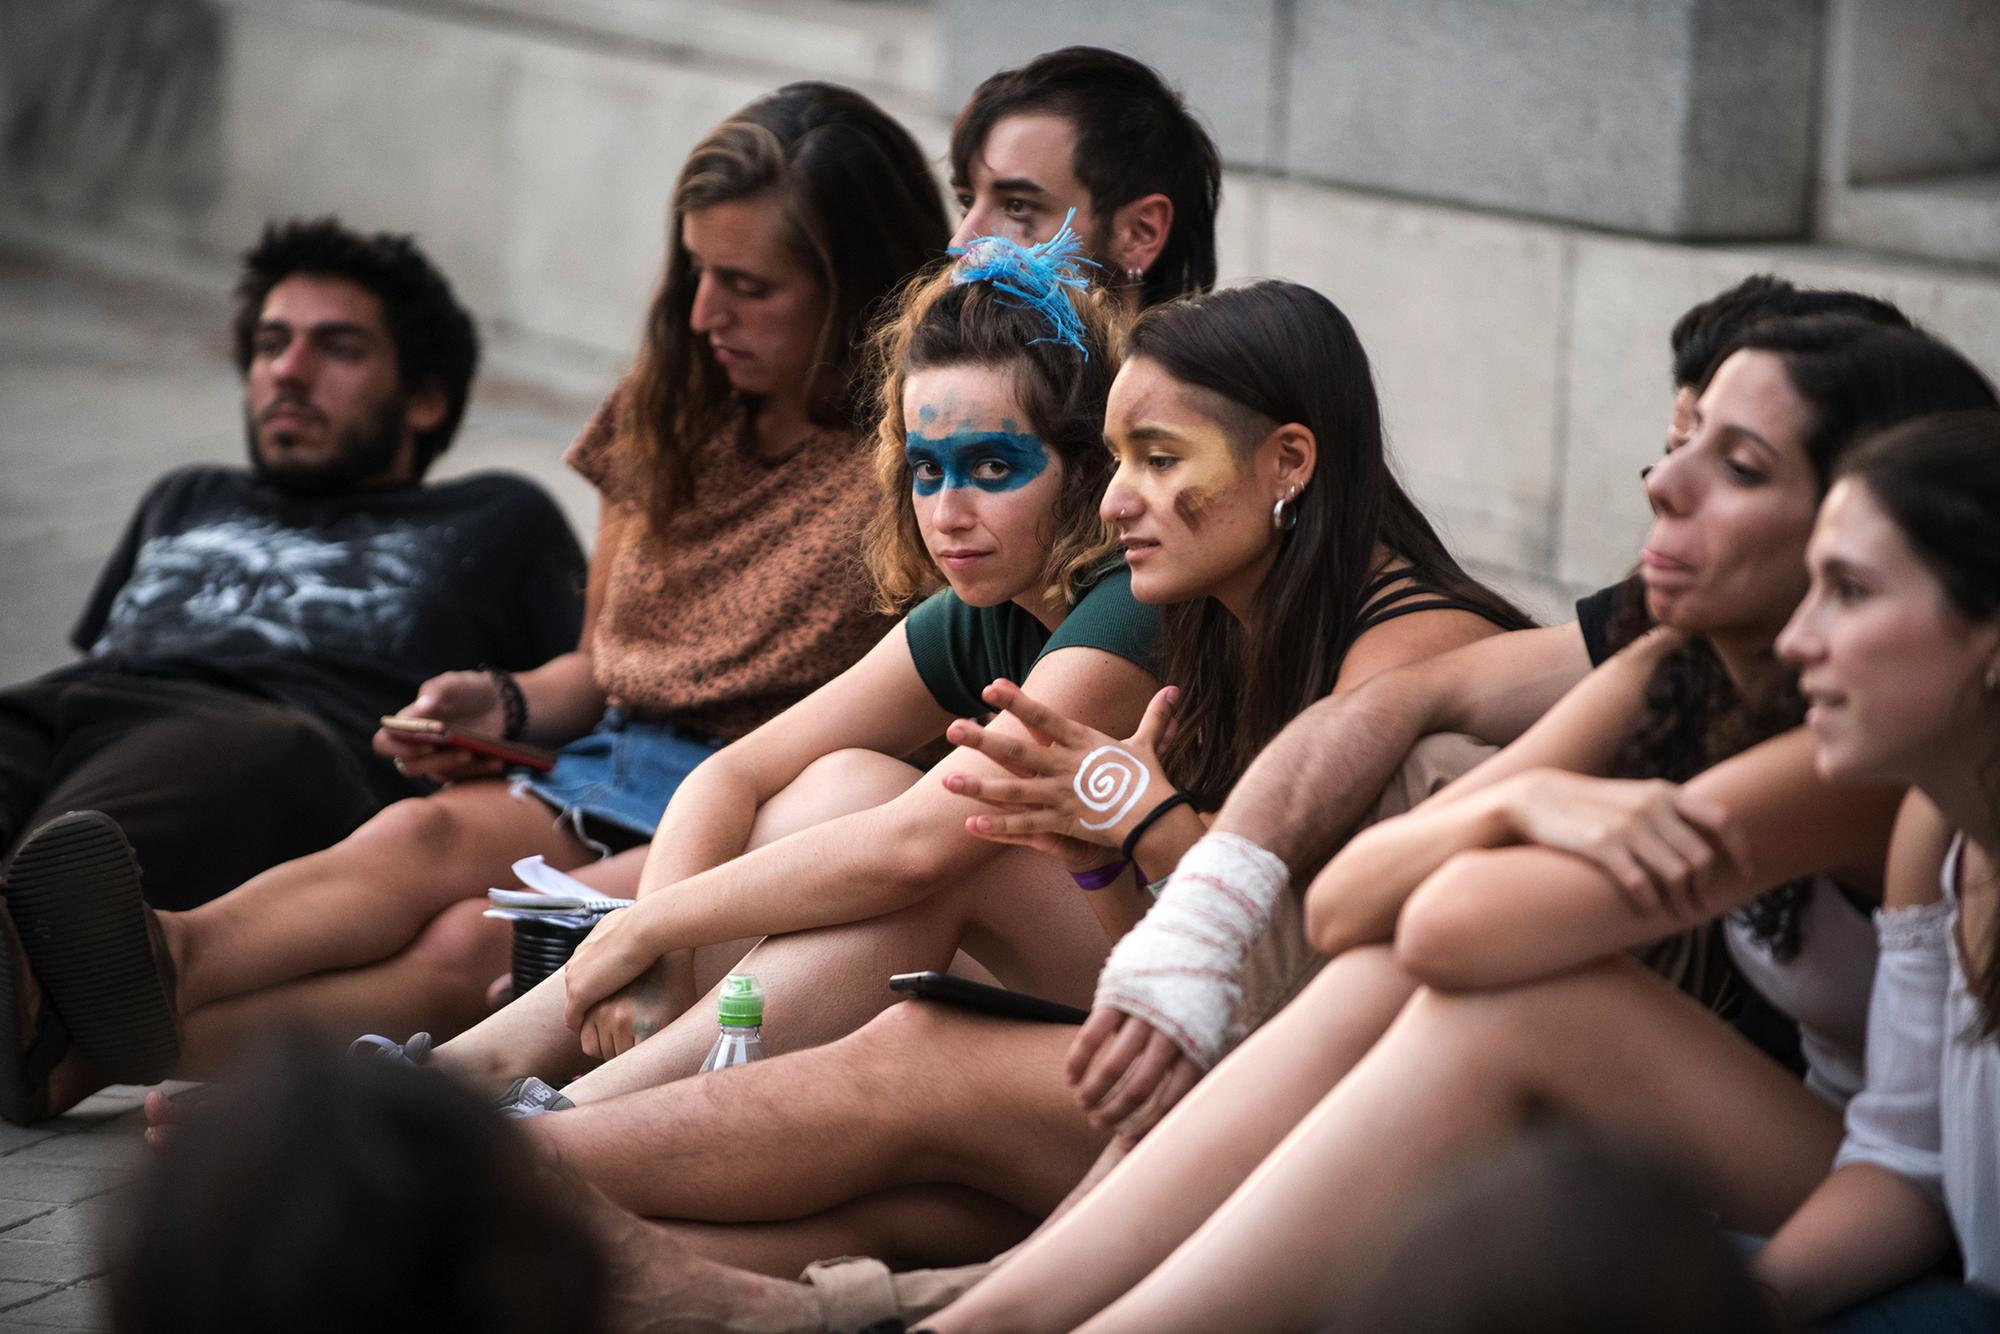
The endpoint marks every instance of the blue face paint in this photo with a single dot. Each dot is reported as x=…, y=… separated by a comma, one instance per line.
x=1003, y=460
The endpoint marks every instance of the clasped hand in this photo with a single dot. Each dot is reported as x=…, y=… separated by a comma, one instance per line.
x=1663, y=845
x=618, y=950
x=1073, y=791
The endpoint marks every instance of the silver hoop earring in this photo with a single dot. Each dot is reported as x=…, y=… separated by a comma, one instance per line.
x=1284, y=516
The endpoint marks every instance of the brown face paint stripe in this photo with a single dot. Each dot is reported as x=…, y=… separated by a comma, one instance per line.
x=1190, y=505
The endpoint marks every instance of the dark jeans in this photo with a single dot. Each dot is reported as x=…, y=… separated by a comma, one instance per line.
x=211, y=785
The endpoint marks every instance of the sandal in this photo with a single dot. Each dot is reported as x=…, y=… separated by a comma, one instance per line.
x=95, y=946
x=24, y=1073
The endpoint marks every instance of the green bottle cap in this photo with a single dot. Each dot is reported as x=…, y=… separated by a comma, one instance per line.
x=741, y=1004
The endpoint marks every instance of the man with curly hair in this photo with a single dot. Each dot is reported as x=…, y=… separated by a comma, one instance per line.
x=252, y=623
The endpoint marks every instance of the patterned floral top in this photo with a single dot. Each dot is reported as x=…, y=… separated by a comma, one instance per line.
x=755, y=595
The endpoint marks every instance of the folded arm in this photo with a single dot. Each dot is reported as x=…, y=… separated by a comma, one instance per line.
x=1356, y=898
x=850, y=868
x=1495, y=918
x=1320, y=775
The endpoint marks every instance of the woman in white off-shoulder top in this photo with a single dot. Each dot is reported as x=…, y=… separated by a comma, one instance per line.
x=1898, y=646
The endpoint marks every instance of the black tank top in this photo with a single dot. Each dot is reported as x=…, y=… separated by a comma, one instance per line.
x=1379, y=605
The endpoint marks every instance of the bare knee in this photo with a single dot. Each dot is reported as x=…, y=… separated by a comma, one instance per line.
x=1513, y=1029
x=835, y=784
x=461, y=948
x=415, y=828
x=892, y=1036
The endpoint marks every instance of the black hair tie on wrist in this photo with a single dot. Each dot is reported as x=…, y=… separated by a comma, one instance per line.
x=513, y=704
x=1129, y=850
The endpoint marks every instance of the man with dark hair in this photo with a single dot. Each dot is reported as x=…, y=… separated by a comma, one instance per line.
x=1101, y=133
x=430, y=336
x=251, y=625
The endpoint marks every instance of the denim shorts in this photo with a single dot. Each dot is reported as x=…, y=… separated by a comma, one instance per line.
x=621, y=774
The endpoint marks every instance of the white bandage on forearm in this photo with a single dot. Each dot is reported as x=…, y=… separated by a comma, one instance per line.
x=1179, y=968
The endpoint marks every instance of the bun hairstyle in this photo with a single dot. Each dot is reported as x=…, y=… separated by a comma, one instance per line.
x=1938, y=480
x=1060, y=371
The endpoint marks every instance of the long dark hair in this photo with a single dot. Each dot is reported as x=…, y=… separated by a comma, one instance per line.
x=1938, y=480
x=1286, y=354
x=860, y=206
x=1856, y=376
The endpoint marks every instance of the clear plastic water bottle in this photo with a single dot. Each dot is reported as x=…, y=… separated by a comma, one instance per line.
x=741, y=1010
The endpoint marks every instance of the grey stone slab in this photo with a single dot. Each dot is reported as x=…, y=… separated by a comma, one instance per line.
x=1914, y=88
x=1223, y=58
x=1673, y=117
x=79, y=1306
x=1626, y=297
x=55, y=1183
x=1462, y=317
x=48, y=1261
x=15, y=1292
x=1953, y=219
x=14, y=1138
x=79, y=1224
x=113, y=1152
x=13, y=1213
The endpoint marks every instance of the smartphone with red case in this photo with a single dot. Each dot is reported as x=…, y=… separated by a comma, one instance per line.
x=478, y=743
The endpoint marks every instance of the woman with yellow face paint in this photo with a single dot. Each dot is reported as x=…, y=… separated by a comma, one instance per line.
x=1254, y=500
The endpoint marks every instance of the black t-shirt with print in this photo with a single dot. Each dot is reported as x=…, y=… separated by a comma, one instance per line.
x=336, y=605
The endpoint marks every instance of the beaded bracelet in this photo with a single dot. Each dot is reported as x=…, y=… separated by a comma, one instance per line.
x=1100, y=877
x=513, y=703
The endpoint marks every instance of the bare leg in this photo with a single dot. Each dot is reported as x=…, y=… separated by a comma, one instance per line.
x=1611, y=1045
x=438, y=984
x=923, y=1095
x=1191, y=1162
x=658, y=1284
x=821, y=985
x=1018, y=915
x=912, y=1227
x=364, y=899
x=528, y=1037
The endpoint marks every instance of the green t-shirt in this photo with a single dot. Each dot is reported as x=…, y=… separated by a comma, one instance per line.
x=960, y=650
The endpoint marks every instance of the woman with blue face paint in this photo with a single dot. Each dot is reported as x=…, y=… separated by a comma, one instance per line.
x=990, y=463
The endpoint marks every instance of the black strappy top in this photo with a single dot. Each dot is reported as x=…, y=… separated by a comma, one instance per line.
x=1378, y=606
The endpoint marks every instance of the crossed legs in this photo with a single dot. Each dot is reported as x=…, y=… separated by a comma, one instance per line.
x=1018, y=914
x=352, y=938
x=1610, y=1045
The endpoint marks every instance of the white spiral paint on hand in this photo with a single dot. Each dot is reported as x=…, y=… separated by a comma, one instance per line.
x=1110, y=779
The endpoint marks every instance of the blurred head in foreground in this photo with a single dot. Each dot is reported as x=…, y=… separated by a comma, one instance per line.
x=323, y=1194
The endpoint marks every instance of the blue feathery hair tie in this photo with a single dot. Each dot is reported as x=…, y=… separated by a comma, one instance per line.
x=1034, y=275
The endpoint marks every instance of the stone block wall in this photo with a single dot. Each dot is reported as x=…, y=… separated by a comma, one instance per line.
x=1513, y=199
